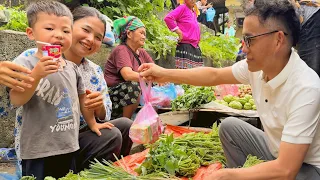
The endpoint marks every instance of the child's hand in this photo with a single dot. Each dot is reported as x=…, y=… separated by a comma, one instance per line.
x=44, y=67
x=97, y=126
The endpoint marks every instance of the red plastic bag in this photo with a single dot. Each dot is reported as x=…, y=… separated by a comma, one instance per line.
x=147, y=126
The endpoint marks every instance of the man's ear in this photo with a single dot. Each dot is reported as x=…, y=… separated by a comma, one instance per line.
x=29, y=32
x=280, y=37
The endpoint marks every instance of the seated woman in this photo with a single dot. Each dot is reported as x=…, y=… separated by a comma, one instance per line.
x=121, y=68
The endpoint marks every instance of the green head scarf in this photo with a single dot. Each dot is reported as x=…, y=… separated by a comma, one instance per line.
x=122, y=25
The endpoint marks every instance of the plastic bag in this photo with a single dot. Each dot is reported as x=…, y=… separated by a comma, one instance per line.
x=161, y=96
x=147, y=125
x=211, y=12
x=7, y=154
x=179, y=90
x=225, y=89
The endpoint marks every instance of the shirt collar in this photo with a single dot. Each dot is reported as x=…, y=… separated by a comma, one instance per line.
x=284, y=74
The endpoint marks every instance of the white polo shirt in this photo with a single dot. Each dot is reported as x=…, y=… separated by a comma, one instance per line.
x=288, y=105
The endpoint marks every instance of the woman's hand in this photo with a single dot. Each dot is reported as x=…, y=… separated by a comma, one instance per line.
x=11, y=75
x=180, y=34
x=94, y=100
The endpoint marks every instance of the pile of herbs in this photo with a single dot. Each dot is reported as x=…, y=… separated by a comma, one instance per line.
x=219, y=48
x=193, y=97
x=252, y=161
x=107, y=171
x=184, y=155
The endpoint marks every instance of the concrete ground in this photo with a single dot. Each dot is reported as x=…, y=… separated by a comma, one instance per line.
x=7, y=168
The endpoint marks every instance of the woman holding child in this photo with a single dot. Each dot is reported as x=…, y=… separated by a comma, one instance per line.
x=106, y=137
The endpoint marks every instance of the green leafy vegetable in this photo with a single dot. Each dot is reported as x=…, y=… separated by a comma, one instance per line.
x=219, y=48
x=193, y=97
x=184, y=155
x=17, y=21
x=252, y=161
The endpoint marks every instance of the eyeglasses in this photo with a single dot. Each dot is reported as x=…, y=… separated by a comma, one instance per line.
x=247, y=39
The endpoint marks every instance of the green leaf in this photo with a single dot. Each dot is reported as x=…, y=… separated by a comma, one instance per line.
x=170, y=167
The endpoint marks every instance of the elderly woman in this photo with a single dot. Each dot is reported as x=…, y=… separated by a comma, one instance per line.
x=121, y=68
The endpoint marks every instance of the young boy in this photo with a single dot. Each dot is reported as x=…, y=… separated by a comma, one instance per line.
x=51, y=107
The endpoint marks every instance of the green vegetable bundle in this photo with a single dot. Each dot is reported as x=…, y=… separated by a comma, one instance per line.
x=107, y=171
x=252, y=161
x=184, y=155
x=193, y=97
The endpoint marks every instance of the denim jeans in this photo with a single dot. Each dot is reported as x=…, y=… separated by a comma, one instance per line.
x=309, y=42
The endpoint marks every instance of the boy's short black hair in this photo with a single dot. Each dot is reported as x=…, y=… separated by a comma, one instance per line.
x=49, y=7
x=282, y=11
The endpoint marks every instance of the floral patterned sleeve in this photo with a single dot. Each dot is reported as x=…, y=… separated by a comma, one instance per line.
x=106, y=97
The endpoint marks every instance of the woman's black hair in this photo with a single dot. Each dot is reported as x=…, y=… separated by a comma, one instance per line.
x=85, y=11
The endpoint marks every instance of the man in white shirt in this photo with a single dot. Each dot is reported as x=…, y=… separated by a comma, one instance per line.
x=286, y=93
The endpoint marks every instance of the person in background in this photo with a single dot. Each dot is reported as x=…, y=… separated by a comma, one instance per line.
x=203, y=6
x=286, y=92
x=12, y=75
x=229, y=31
x=183, y=21
x=109, y=36
x=121, y=67
x=309, y=40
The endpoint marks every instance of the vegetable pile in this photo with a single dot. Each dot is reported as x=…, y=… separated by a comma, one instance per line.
x=193, y=97
x=245, y=103
x=252, y=161
x=244, y=89
x=107, y=171
x=183, y=156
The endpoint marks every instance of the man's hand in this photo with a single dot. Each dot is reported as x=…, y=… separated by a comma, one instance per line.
x=94, y=100
x=44, y=67
x=97, y=126
x=219, y=175
x=11, y=75
x=152, y=72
